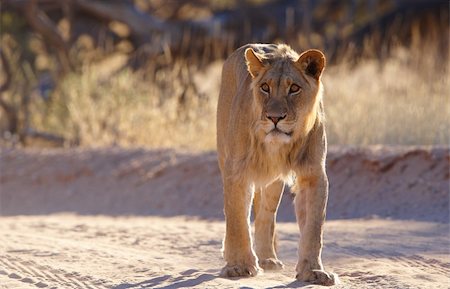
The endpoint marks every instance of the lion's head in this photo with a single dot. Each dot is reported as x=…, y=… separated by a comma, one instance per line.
x=287, y=91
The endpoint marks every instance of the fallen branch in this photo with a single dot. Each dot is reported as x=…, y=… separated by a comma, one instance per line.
x=56, y=140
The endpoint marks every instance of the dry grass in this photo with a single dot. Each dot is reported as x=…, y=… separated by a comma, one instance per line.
x=172, y=103
x=100, y=107
x=402, y=102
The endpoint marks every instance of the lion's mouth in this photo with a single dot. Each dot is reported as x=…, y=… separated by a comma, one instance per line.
x=277, y=131
x=277, y=136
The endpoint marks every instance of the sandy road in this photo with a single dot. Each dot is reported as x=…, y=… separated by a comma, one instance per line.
x=69, y=251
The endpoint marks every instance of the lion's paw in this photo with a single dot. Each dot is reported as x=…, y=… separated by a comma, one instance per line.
x=239, y=270
x=271, y=264
x=320, y=277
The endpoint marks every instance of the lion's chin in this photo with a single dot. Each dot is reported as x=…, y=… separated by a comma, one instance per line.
x=276, y=136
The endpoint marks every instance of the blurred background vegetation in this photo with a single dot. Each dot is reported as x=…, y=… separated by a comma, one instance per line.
x=147, y=72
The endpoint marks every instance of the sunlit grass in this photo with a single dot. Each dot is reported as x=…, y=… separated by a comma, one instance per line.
x=131, y=109
x=394, y=103
x=402, y=102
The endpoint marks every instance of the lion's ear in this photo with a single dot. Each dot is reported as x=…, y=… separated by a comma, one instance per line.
x=254, y=64
x=312, y=62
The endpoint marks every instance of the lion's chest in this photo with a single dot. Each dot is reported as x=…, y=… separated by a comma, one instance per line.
x=266, y=167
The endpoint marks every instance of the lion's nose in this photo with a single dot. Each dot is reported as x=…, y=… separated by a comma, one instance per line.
x=275, y=118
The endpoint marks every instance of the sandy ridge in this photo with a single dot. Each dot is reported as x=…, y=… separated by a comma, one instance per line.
x=396, y=182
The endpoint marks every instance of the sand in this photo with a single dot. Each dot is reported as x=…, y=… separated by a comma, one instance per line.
x=117, y=218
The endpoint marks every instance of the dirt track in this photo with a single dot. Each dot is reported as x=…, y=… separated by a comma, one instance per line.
x=67, y=251
x=161, y=220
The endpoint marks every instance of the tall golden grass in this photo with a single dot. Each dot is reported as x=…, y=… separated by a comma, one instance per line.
x=403, y=101
x=166, y=107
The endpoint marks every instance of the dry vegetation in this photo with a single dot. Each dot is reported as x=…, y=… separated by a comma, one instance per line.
x=405, y=101
x=400, y=100
x=126, y=108
x=397, y=103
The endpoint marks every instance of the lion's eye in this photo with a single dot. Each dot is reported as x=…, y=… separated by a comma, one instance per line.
x=294, y=88
x=265, y=87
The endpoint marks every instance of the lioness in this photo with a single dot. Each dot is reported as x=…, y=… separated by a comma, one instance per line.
x=270, y=126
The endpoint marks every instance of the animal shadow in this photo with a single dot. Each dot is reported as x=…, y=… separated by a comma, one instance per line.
x=187, y=279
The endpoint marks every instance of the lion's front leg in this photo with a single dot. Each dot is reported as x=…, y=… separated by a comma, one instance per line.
x=266, y=203
x=237, y=247
x=310, y=206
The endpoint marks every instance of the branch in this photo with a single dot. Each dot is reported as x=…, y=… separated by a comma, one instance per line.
x=141, y=25
x=7, y=72
x=10, y=111
x=40, y=22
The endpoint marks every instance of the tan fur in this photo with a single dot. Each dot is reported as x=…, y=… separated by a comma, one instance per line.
x=262, y=139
